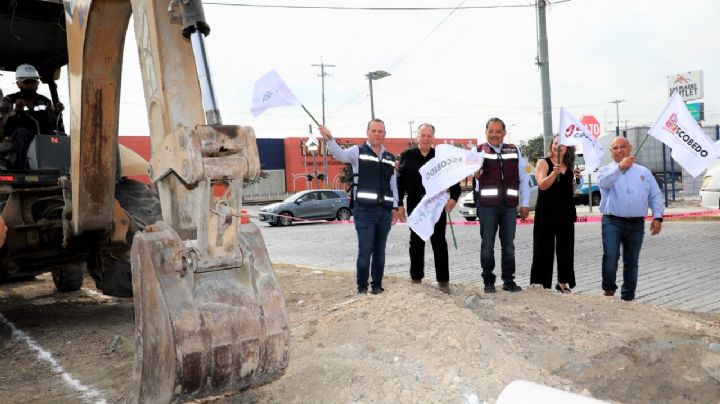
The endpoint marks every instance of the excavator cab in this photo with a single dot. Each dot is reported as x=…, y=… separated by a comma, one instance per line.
x=209, y=313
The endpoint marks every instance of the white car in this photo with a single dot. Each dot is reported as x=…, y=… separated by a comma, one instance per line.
x=710, y=190
x=467, y=205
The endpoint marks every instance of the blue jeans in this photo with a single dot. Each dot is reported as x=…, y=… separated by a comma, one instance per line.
x=615, y=233
x=491, y=219
x=372, y=226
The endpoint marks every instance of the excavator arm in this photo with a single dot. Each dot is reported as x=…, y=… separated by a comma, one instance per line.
x=209, y=313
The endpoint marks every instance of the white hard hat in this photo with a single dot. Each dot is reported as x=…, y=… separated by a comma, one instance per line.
x=26, y=71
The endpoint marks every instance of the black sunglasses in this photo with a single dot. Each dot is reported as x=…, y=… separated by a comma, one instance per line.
x=30, y=81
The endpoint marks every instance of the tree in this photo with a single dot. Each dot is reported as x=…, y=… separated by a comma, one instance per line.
x=533, y=149
x=247, y=182
x=346, y=174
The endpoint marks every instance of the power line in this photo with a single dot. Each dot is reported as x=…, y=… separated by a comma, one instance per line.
x=356, y=99
x=222, y=3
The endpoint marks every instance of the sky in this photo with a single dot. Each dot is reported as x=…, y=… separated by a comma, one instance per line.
x=454, y=68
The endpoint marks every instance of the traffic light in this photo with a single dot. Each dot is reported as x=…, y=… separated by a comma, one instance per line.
x=309, y=177
x=321, y=177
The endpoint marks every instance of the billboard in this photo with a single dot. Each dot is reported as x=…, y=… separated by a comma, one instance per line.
x=689, y=85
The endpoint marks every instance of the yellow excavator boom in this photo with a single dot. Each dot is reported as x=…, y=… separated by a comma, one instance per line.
x=209, y=313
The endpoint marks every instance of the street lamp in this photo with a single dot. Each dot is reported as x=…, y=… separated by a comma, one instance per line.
x=376, y=75
x=507, y=131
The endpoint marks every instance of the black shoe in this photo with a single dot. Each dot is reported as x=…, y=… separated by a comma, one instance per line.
x=377, y=291
x=562, y=289
x=444, y=287
x=490, y=288
x=362, y=291
x=511, y=287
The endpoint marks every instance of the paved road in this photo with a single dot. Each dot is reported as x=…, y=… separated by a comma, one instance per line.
x=680, y=268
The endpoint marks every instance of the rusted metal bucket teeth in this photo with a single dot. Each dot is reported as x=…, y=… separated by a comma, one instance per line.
x=204, y=332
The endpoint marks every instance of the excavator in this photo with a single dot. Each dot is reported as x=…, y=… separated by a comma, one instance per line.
x=210, y=317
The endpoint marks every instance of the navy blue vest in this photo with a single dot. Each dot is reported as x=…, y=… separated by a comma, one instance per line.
x=374, y=173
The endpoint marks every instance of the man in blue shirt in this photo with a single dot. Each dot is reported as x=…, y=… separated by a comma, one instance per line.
x=375, y=199
x=627, y=190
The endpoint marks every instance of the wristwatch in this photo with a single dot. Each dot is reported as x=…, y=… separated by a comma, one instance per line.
x=659, y=219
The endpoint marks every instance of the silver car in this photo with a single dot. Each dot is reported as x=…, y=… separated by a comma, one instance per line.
x=467, y=204
x=313, y=204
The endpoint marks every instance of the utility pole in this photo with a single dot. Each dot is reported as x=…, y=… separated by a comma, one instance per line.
x=411, y=128
x=324, y=143
x=543, y=61
x=617, y=114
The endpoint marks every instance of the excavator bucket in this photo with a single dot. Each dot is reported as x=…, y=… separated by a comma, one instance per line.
x=201, y=332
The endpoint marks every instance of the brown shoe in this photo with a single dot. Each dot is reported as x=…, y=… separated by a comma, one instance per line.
x=609, y=293
x=444, y=287
x=417, y=281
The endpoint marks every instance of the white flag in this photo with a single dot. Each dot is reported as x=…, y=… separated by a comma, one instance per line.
x=271, y=91
x=573, y=133
x=422, y=220
x=450, y=165
x=691, y=147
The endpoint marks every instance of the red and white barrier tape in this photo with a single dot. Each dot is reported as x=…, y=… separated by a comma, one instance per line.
x=580, y=219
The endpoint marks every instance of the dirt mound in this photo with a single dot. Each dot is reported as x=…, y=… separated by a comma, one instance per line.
x=410, y=344
x=415, y=344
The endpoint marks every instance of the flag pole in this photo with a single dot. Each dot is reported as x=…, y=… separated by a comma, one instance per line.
x=641, y=144
x=639, y=148
x=452, y=231
x=312, y=117
x=557, y=179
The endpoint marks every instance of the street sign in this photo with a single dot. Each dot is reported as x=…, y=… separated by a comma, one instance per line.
x=591, y=124
x=697, y=110
x=312, y=144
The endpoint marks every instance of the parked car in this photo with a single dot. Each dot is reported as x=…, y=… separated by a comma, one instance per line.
x=313, y=204
x=467, y=204
x=582, y=190
x=710, y=190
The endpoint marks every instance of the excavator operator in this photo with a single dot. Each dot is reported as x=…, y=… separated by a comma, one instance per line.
x=29, y=114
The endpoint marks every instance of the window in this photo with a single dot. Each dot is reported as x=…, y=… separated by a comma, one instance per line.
x=329, y=195
x=312, y=196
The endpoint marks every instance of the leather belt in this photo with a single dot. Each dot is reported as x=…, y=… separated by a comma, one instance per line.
x=626, y=219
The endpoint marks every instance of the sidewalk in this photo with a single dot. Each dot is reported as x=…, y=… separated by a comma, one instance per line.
x=676, y=209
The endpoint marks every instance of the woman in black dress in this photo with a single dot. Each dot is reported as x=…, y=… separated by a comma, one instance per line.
x=554, y=231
